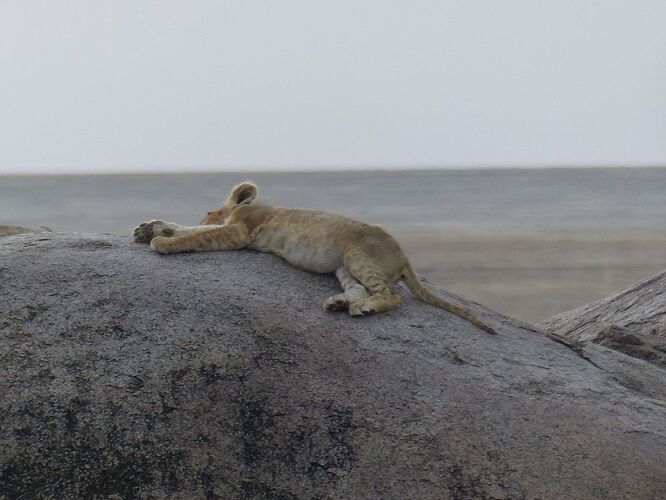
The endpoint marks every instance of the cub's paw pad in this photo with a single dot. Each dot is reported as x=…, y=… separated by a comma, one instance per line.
x=140, y=235
x=336, y=303
x=146, y=231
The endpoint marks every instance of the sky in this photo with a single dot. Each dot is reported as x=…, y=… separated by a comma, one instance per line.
x=143, y=86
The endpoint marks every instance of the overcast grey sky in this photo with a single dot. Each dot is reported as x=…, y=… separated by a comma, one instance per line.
x=137, y=85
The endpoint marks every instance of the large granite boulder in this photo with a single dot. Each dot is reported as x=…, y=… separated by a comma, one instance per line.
x=127, y=374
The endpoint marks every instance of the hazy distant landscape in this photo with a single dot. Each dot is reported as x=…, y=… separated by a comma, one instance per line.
x=529, y=243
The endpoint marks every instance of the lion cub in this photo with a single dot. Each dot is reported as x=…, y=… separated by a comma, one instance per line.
x=366, y=260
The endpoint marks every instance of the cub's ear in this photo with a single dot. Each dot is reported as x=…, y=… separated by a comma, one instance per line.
x=243, y=194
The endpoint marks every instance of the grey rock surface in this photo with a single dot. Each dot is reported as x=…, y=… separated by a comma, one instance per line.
x=632, y=321
x=218, y=375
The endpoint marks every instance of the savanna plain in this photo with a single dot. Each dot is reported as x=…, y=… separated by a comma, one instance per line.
x=529, y=243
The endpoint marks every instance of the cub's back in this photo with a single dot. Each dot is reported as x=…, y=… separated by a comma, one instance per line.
x=312, y=239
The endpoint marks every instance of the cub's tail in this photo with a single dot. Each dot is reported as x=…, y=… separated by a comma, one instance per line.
x=421, y=293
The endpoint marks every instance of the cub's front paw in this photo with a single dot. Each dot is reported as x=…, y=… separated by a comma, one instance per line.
x=161, y=244
x=146, y=231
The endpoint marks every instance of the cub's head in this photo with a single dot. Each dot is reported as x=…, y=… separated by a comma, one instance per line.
x=243, y=194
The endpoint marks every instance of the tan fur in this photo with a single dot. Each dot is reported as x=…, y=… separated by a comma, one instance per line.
x=366, y=260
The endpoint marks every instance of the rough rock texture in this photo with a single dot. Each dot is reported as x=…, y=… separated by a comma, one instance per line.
x=218, y=375
x=632, y=321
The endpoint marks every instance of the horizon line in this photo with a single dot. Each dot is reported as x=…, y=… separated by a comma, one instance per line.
x=322, y=169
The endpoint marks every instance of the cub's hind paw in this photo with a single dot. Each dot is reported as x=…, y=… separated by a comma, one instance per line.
x=146, y=231
x=361, y=308
x=338, y=302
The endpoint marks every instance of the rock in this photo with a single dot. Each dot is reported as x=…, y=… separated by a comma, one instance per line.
x=632, y=321
x=12, y=230
x=128, y=374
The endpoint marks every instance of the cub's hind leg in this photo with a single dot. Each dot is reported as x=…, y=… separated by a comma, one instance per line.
x=378, y=282
x=353, y=291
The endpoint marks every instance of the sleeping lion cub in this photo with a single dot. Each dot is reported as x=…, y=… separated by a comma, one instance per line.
x=366, y=260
